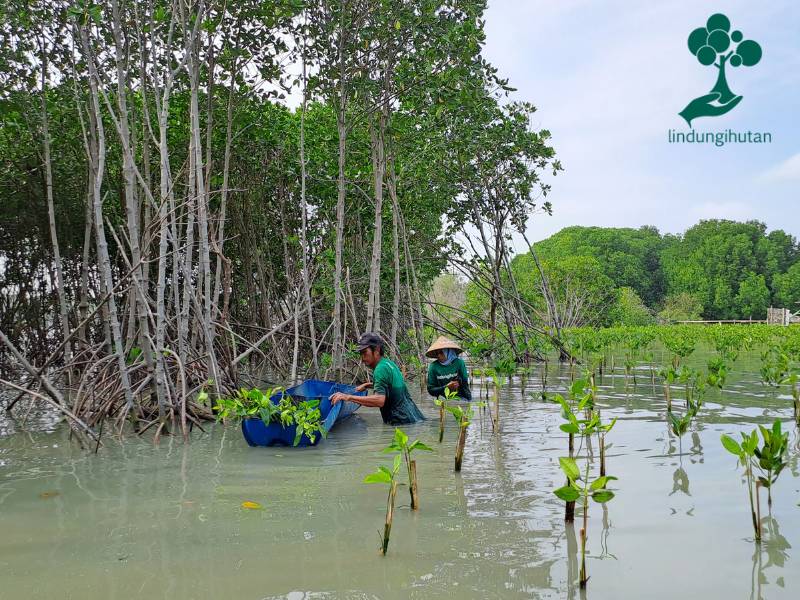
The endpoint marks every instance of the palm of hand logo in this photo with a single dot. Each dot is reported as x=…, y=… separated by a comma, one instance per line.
x=715, y=44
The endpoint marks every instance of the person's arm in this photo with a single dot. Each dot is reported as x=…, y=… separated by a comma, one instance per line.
x=373, y=400
x=433, y=389
x=463, y=388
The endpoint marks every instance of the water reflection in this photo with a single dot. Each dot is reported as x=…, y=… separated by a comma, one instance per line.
x=680, y=481
x=774, y=546
x=168, y=522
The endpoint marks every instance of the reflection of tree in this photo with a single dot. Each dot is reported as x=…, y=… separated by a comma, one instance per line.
x=606, y=531
x=680, y=481
x=775, y=546
x=572, y=559
x=697, y=447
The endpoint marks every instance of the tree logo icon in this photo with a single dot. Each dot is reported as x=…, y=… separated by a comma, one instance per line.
x=715, y=44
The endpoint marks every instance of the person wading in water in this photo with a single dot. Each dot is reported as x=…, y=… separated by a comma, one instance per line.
x=390, y=391
x=448, y=370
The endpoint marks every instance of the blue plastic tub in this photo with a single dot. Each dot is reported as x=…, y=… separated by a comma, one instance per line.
x=257, y=433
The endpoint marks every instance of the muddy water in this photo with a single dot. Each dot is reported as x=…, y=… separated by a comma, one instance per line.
x=137, y=521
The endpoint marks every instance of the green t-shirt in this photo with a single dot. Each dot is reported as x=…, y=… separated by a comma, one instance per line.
x=440, y=375
x=399, y=408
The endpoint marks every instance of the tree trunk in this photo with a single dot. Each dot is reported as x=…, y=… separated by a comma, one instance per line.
x=51, y=214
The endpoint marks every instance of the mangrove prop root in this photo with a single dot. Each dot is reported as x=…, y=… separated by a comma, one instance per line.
x=413, y=489
x=387, y=529
x=462, y=440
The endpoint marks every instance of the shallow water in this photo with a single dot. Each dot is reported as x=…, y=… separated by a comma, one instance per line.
x=136, y=521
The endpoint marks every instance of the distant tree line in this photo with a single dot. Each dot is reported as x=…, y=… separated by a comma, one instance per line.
x=717, y=269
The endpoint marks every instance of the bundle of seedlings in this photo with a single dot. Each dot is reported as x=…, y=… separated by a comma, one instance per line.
x=305, y=415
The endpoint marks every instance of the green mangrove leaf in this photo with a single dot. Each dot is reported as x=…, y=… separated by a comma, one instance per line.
x=417, y=445
x=567, y=493
x=569, y=428
x=570, y=468
x=602, y=496
x=378, y=477
x=600, y=483
x=400, y=438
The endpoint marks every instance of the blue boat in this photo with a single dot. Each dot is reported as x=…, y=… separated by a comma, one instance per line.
x=258, y=433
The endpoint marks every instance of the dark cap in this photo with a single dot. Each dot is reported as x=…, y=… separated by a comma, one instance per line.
x=369, y=340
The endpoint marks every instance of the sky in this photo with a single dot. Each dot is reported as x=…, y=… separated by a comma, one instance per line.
x=608, y=78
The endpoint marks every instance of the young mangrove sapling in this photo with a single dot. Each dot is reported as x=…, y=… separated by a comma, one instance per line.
x=769, y=459
x=579, y=487
x=388, y=477
x=400, y=445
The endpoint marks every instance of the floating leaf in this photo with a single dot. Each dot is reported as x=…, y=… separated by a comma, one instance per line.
x=46, y=495
x=251, y=505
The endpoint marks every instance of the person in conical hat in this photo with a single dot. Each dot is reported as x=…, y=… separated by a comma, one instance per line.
x=448, y=370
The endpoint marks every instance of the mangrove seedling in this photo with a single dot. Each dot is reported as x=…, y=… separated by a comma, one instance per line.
x=449, y=396
x=694, y=384
x=769, y=459
x=793, y=380
x=774, y=366
x=771, y=456
x=582, y=400
x=717, y=372
x=463, y=417
x=579, y=487
x=388, y=477
x=400, y=445
x=669, y=375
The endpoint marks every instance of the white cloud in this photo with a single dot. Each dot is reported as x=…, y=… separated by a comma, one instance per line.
x=609, y=79
x=788, y=170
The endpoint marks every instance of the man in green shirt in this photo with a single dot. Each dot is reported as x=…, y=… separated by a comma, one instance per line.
x=448, y=370
x=390, y=391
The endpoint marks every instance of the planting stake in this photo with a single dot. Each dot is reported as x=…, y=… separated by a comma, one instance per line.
x=602, y=455
x=462, y=440
x=441, y=422
x=387, y=530
x=569, y=507
x=413, y=489
x=758, y=511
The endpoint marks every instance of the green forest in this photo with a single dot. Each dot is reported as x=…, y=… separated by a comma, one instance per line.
x=717, y=269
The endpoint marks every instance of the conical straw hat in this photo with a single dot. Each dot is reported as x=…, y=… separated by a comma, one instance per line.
x=440, y=344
